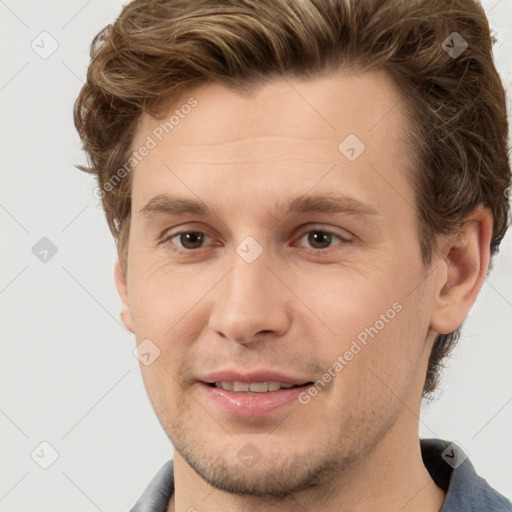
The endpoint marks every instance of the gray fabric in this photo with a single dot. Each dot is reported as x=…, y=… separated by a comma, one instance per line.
x=156, y=496
x=446, y=463
x=466, y=491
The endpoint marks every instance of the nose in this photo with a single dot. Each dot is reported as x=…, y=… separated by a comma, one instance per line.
x=251, y=304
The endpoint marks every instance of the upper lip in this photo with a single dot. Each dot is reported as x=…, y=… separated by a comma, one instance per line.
x=253, y=376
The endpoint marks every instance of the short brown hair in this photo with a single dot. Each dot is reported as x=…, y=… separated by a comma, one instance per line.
x=455, y=104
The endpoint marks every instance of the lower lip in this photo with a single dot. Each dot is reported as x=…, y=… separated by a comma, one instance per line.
x=252, y=404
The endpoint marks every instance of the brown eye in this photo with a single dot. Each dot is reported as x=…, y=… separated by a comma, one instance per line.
x=320, y=239
x=192, y=240
x=188, y=240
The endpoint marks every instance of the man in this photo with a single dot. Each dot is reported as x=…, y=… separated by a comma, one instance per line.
x=306, y=196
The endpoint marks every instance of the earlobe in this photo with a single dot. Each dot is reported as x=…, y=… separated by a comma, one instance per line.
x=463, y=261
x=122, y=290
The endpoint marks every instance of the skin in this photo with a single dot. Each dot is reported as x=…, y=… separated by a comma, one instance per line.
x=297, y=307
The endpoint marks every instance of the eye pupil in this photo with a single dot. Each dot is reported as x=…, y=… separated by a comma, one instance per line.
x=191, y=240
x=319, y=239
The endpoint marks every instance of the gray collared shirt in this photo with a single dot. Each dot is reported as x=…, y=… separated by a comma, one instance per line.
x=446, y=463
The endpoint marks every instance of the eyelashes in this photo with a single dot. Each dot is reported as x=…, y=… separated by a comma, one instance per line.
x=190, y=241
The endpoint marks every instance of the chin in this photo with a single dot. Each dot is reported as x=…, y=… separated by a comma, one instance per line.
x=267, y=478
x=240, y=468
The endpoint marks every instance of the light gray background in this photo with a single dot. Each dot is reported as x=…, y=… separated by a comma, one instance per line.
x=68, y=375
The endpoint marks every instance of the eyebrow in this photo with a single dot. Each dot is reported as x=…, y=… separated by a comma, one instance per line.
x=337, y=203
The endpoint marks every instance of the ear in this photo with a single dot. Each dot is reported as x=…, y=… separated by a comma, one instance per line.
x=122, y=290
x=463, y=260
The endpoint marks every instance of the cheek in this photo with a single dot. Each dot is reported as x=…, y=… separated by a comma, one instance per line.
x=162, y=297
x=348, y=300
x=386, y=357
x=371, y=324
x=159, y=304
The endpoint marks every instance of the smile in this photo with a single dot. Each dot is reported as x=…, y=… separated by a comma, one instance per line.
x=254, y=387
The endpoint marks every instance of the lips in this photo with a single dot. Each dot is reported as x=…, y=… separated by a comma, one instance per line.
x=252, y=394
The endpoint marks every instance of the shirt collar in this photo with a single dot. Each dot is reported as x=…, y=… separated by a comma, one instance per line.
x=451, y=470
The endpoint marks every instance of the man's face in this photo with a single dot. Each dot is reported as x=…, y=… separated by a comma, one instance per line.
x=258, y=293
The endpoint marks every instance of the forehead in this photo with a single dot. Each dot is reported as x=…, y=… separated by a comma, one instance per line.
x=286, y=133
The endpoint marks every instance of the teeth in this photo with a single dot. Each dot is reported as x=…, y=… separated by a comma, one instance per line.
x=274, y=386
x=259, y=387
x=240, y=386
x=254, y=387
